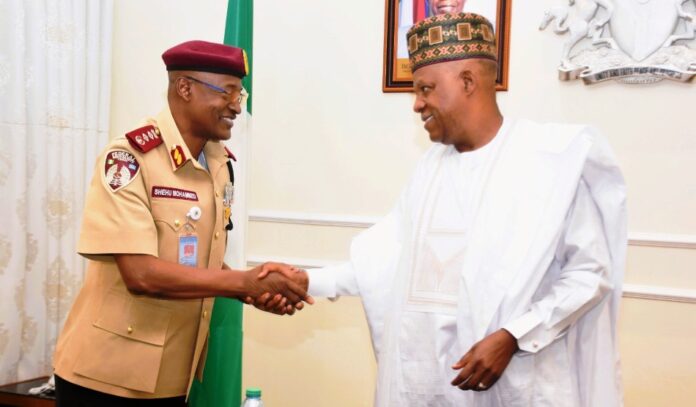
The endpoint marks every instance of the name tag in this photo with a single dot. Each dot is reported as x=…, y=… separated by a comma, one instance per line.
x=173, y=193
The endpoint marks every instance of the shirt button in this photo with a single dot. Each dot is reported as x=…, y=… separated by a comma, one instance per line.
x=177, y=222
x=217, y=194
x=130, y=329
x=217, y=234
x=205, y=313
x=535, y=344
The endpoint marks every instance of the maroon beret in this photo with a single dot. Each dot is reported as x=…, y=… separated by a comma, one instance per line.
x=206, y=57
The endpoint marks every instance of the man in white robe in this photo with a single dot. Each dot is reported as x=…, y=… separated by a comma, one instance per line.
x=495, y=280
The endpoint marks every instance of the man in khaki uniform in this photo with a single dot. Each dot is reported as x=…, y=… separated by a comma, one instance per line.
x=154, y=230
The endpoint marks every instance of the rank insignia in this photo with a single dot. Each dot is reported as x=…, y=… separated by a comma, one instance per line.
x=178, y=156
x=145, y=138
x=120, y=169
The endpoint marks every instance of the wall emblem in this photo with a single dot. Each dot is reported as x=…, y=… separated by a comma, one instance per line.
x=633, y=41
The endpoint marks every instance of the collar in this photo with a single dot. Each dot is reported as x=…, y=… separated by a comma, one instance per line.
x=215, y=155
x=179, y=153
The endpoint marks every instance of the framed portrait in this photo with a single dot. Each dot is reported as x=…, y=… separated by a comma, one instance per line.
x=400, y=15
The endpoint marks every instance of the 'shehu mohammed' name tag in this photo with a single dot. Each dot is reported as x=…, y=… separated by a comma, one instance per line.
x=174, y=193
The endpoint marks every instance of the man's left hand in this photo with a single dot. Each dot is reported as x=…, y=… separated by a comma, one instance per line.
x=485, y=362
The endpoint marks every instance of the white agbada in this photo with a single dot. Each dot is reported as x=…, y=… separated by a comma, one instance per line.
x=527, y=233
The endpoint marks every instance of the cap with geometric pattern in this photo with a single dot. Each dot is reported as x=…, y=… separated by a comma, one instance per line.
x=450, y=37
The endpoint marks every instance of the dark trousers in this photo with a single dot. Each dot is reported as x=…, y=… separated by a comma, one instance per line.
x=72, y=395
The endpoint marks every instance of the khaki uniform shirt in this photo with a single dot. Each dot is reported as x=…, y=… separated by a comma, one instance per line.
x=131, y=345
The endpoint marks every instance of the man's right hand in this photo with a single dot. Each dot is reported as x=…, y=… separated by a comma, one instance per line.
x=277, y=288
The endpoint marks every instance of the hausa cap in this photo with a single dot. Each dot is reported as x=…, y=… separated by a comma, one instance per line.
x=450, y=37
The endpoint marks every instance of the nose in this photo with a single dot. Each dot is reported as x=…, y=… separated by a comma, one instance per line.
x=418, y=104
x=236, y=106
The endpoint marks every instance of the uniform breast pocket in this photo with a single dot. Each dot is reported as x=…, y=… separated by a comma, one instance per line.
x=170, y=218
x=131, y=334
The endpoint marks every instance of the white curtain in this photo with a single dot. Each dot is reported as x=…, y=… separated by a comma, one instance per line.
x=55, y=75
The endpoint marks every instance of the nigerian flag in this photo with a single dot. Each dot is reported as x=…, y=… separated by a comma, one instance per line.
x=222, y=377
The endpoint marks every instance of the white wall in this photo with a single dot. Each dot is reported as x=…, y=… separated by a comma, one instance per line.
x=143, y=30
x=328, y=141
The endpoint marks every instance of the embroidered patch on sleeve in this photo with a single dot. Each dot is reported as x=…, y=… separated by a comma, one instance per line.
x=120, y=169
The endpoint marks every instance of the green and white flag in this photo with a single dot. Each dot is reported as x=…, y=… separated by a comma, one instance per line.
x=222, y=377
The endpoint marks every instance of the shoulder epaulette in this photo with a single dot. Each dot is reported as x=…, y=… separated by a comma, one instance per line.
x=145, y=138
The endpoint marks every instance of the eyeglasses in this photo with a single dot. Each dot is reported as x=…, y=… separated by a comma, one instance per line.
x=230, y=96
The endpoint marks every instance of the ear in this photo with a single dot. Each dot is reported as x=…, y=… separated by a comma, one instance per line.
x=468, y=80
x=183, y=88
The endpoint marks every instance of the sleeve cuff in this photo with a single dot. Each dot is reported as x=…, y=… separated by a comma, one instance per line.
x=522, y=325
x=322, y=282
x=333, y=281
x=522, y=329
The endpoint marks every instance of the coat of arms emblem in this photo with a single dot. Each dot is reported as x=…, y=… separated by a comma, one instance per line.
x=634, y=41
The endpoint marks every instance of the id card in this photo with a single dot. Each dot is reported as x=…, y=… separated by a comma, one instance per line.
x=188, y=250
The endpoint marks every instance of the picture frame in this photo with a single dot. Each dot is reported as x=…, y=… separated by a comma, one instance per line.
x=396, y=75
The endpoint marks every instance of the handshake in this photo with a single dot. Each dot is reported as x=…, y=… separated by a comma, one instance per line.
x=276, y=287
